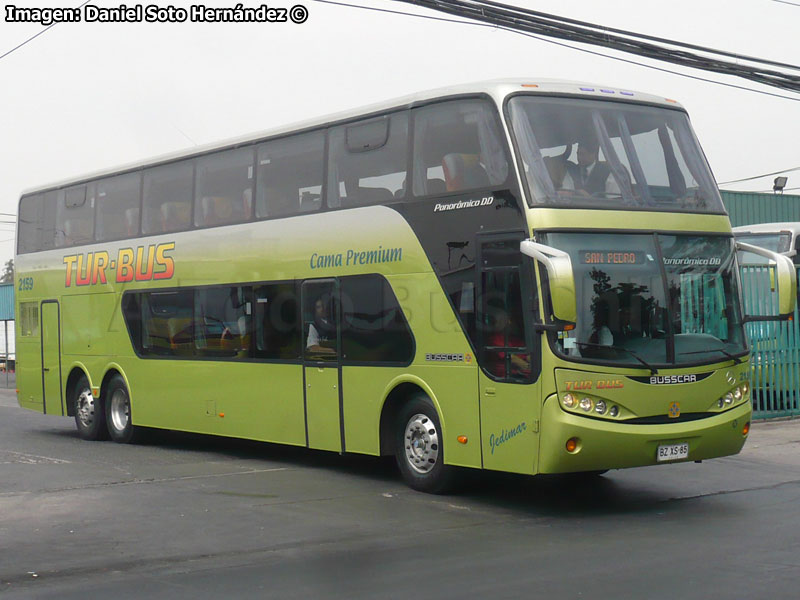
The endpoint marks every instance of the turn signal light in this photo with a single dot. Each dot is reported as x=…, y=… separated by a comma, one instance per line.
x=572, y=445
x=462, y=439
x=746, y=428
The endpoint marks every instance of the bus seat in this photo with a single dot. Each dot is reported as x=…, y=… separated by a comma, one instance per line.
x=310, y=202
x=435, y=186
x=175, y=216
x=364, y=196
x=132, y=220
x=217, y=210
x=463, y=172
x=179, y=330
x=77, y=231
x=247, y=204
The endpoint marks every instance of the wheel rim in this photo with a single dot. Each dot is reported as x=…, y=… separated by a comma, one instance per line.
x=120, y=410
x=421, y=443
x=84, y=408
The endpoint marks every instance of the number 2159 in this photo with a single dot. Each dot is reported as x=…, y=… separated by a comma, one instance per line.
x=25, y=283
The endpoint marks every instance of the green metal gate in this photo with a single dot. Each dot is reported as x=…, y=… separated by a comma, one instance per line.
x=775, y=358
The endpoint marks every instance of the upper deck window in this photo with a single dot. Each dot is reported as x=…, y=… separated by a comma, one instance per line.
x=611, y=155
x=37, y=215
x=457, y=147
x=74, y=216
x=168, y=198
x=118, y=201
x=367, y=161
x=224, y=188
x=290, y=175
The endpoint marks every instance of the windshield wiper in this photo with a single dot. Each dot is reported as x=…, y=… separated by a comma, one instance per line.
x=653, y=370
x=735, y=359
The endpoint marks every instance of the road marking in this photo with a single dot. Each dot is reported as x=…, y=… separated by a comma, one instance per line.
x=29, y=459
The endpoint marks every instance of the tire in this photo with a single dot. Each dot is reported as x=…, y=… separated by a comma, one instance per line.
x=419, y=447
x=90, y=414
x=118, y=412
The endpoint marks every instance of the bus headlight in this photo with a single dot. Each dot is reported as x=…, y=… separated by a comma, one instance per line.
x=745, y=388
x=737, y=394
x=728, y=398
x=586, y=404
x=614, y=411
x=569, y=401
x=600, y=407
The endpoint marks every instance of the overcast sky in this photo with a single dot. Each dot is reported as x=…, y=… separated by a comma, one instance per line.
x=87, y=96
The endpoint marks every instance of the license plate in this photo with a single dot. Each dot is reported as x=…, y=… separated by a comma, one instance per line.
x=673, y=452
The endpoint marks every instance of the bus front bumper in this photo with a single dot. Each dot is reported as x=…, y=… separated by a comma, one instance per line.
x=603, y=444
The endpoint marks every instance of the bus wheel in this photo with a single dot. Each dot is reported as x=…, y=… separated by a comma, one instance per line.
x=419, y=449
x=118, y=412
x=90, y=418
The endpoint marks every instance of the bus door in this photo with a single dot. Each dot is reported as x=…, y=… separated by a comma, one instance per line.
x=509, y=382
x=51, y=358
x=321, y=368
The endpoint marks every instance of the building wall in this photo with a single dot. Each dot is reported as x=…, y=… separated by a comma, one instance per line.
x=750, y=208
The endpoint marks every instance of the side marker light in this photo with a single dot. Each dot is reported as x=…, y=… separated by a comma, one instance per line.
x=462, y=439
x=746, y=428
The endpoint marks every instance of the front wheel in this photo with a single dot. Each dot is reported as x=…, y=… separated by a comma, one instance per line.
x=419, y=448
x=118, y=412
x=90, y=414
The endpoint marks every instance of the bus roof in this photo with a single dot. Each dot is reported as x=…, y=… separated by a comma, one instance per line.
x=497, y=89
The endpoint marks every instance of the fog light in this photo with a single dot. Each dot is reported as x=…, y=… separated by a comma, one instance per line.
x=728, y=398
x=737, y=394
x=572, y=445
x=569, y=400
x=614, y=411
x=600, y=407
x=586, y=404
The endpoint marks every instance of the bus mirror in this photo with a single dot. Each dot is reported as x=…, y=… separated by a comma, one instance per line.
x=785, y=276
x=560, y=277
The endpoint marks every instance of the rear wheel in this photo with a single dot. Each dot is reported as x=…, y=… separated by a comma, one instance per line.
x=419, y=449
x=90, y=416
x=118, y=412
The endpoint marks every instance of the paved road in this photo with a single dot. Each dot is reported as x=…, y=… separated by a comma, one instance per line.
x=195, y=516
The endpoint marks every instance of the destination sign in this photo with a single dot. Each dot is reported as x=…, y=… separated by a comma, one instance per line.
x=611, y=257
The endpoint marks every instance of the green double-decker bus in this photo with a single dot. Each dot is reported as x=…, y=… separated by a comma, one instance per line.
x=526, y=276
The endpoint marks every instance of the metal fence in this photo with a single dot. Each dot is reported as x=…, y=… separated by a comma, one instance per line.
x=775, y=358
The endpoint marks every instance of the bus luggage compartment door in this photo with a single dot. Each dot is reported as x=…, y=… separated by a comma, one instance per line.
x=51, y=358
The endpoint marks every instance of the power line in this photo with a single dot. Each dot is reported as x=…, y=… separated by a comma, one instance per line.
x=520, y=19
x=563, y=45
x=760, y=176
x=33, y=37
x=786, y=2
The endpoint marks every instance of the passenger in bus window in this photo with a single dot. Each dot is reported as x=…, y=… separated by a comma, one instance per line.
x=320, y=329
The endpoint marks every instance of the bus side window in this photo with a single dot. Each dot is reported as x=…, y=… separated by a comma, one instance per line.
x=277, y=334
x=290, y=175
x=224, y=187
x=115, y=196
x=458, y=146
x=167, y=198
x=37, y=215
x=74, y=217
x=367, y=161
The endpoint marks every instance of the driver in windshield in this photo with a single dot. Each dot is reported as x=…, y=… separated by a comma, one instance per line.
x=591, y=176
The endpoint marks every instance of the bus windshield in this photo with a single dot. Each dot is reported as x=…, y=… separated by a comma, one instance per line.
x=605, y=154
x=659, y=300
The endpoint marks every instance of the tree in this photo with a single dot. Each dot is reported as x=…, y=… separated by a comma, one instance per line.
x=8, y=272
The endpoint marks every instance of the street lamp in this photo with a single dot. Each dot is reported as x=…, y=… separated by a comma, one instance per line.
x=779, y=184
